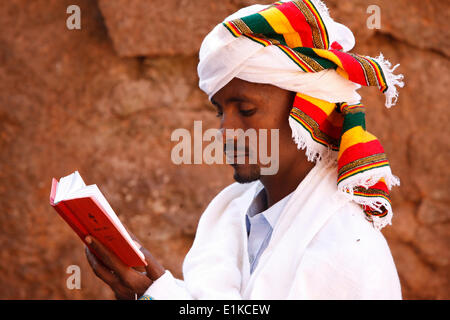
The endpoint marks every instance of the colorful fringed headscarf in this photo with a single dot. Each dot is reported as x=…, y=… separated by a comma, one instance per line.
x=326, y=119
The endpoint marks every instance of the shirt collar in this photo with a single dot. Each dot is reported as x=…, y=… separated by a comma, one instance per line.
x=259, y=206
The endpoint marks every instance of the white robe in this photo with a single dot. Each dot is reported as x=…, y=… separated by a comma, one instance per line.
x=322, y=247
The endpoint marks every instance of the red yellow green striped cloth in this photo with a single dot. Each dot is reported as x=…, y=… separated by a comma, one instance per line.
x=297, y=28
x=363, y=169
x=323, y=128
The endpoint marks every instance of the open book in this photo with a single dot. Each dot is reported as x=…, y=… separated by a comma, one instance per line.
x=87, y=211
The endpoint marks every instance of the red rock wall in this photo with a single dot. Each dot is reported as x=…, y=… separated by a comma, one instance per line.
x=104, y=100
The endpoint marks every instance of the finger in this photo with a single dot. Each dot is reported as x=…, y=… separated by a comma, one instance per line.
x=100, y=270
x=109, y=259
x=108, y=277
x=127, y=276
x=124, y=293
x=141, y=269
x=154, y=268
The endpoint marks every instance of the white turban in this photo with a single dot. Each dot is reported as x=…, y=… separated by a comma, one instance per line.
x=224, y=57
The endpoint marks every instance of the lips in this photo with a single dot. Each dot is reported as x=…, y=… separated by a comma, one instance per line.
x=231, y=148
x=232, y=155
x=237, y=154
x=238, y=158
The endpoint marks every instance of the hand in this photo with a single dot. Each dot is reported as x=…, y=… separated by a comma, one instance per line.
x=126, y=282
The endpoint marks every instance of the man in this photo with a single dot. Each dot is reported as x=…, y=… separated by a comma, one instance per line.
x=312, y=229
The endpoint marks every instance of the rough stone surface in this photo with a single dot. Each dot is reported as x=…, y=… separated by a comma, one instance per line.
x=160, y=27
x=418, y=23
x=105, y=99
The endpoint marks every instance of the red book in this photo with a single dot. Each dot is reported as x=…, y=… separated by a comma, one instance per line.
x=87, y=212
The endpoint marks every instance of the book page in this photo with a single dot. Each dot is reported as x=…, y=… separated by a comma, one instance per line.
x=63, y=186
x=68, y=184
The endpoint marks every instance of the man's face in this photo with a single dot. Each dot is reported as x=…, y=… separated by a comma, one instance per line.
x=245, y=105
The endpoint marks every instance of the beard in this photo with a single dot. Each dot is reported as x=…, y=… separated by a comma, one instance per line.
x=242, y=159
x=245, y=173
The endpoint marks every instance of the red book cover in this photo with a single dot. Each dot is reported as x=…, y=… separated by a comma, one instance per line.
x=87, y=217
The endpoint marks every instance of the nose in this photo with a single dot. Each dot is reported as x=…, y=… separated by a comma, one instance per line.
x=230, y=121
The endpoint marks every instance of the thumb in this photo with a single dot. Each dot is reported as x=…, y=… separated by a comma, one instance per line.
x=140, y=269
x=154, y=268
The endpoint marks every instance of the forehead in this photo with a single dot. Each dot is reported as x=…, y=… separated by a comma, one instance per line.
x=241, y=89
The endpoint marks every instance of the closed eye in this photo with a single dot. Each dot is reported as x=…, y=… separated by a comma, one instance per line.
x=248, y=113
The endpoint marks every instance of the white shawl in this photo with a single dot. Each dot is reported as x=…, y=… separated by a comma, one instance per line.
x=322, y=247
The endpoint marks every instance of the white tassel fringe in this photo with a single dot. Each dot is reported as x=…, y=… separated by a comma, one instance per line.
x=315, y=152
x=366, y=181
x=392, y=80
